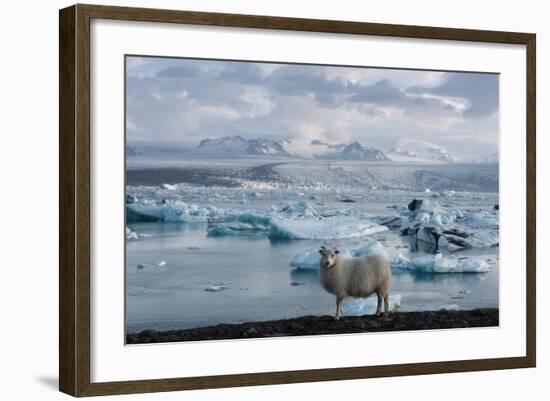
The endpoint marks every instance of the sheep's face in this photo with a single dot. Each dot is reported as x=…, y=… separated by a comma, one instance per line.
x=328, y=257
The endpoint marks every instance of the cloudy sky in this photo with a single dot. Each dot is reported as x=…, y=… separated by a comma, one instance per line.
x=178, y=102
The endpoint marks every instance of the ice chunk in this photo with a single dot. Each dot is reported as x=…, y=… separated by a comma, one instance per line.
x=247, y=222
x=367, y=306
x=372, y=248
x=169, y=211
x=145, y=265
x=216, y=288
x=300, y=208
x=424, y=239
x=310, y=258
x=401, y=262
x=450, y=307
x=130, y=234
x=481, y=220
x=323, y=228
x=168, y=186
x=424, y=205
x=440, y=264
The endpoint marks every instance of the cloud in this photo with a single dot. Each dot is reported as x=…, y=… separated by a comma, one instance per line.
x=184, y=100
x=179, y=71
x=480, y=90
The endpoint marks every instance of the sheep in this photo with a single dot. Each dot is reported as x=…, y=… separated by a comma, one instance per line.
x=355, y=277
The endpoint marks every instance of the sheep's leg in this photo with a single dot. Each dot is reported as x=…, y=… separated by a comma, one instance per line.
x=379, y=304
x=338, y=308
x=386, y=304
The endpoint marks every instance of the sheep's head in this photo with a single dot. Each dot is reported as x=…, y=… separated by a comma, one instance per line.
x=328, y=257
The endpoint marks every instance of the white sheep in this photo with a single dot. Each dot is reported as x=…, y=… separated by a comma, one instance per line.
x=355, y=277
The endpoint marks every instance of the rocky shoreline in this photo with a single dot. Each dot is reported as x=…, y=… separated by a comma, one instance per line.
x=316, y=325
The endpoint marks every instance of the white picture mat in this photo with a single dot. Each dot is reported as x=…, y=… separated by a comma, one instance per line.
x=113, y=361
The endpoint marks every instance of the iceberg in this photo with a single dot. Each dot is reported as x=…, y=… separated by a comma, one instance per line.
x=323, y=228
x=130, y=234
x=440, y=264
x=245, y=223
x=423, y=205
x=372, y=248
x=295, y=221
x=216, y=288
x=169, y=211
x=298, y=209
x=170, y=187
x=432, y=227
x=310, y=258
x=367, y=306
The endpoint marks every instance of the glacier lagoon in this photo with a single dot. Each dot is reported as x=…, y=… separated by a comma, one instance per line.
x=178, y=276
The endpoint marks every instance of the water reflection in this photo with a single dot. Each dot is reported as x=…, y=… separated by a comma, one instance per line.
x=308, y=276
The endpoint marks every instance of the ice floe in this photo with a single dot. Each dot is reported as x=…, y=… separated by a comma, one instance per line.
x=294, y=221
x=432, y=227
x=241, y=224
x=324, y=228
x=169, y=211
x=440, y=264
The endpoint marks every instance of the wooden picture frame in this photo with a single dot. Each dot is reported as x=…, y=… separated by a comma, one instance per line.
x=74, y=199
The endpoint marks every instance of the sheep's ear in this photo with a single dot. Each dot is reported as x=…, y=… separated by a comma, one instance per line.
x=322, y=251
x=336, y=251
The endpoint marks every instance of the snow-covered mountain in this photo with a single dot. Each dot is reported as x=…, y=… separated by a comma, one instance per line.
x=237, y=146
x=406, y=149
x=352, y=151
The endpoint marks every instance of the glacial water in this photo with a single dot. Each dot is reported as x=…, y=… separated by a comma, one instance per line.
x=177, y=277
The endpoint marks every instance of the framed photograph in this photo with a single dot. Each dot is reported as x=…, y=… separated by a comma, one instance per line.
x=249, y=200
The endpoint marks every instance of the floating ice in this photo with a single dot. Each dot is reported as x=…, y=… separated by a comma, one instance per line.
x=145, y=265
x=169, y=211
x=424, y=205
x=367, y=306
x=216, y=288
x=296, y=221
x=450, y=307
x=440, y=264
x=433, y=227
x=401, y=262
x=372, y=248
x=248, y=222
x=130, y=234
x=323, y=228
x=310, y=258
x=296, y=209
x=168, y=186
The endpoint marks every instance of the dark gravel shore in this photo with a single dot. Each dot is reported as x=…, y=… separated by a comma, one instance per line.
x=312, y=325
